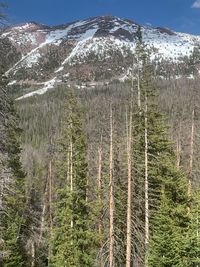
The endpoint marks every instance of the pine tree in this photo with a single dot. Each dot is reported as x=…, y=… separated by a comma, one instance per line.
x=154, y=162
x=12, y=181
x=167, y=244
x=192, y=242
x=74, y=242
x=129, y=193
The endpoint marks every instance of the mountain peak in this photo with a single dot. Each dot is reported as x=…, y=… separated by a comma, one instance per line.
x=96, y=48
x=25, y=27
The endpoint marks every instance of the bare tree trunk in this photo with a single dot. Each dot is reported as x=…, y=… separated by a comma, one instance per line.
x=146, y=183
x=99, y=184
x=191, y=154
x=44, y=208
x=138, y=87
x=68, y=167
x=50, y=217
x=99, y=179
x=178, y=153
x=129, y=199
x=178, y=148
x=32, y=253
x=71, y=174
x=111, y=198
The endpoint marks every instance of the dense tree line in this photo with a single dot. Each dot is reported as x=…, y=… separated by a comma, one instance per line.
x=170, y=223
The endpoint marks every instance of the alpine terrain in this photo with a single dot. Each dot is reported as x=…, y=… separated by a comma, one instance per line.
x=94, y=50
x=99, y=145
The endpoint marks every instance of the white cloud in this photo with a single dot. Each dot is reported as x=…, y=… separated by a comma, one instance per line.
x=196, y=4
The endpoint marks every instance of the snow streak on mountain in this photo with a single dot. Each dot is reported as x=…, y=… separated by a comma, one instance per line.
x=90, y=48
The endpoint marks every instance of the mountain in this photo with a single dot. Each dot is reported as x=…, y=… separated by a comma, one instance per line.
x=100, y=49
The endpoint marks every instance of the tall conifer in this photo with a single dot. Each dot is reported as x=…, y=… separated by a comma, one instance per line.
x=73, y=241
x=12, y=185
x=154, y=164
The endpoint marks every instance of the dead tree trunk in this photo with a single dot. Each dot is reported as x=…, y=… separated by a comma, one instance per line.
x=68, y=167
x=129, y=198
x=146, y=182
x=50, y=217
x=99, y=180
x=178, y=153
x=111, y=198
x=178, y=148
x=138, y=87
x=191, y=154
x=44, y=210
x=99, y=185
x=71, y=174
x=33, y=259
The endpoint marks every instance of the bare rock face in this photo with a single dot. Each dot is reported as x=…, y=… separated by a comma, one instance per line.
x=95, y=49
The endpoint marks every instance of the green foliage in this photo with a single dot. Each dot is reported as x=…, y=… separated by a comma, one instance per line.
x=74, y=238
x=168, y=210
x=192, y=242
x=12, y=180
x=167, y=244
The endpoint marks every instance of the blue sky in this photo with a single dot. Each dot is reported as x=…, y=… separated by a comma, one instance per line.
x=180, y=15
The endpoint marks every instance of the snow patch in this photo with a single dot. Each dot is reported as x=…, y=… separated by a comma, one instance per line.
x=101, y=47
x=60, y=69
x=47, y=85
x=88, y=34
x=32, y=57
x=12, y=82
x=162, y=44
x=6, y=34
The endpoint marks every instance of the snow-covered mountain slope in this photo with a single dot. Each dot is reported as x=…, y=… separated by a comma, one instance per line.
x=89, y=49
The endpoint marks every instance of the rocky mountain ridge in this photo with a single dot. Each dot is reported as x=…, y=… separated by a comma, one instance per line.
x=87, y=51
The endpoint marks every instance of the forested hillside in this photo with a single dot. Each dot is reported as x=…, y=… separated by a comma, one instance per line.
x=106, y=175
